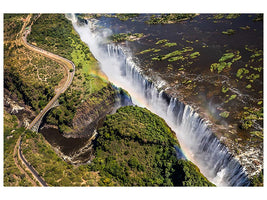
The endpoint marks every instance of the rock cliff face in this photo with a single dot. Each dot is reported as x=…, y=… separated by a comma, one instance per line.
x=17, y=107
x=91, y=111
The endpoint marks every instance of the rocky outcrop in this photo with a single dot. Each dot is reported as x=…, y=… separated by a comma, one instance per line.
x=17, y=107
x=91, y=111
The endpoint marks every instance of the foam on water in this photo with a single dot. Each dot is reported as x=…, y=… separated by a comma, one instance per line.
x=197, y=141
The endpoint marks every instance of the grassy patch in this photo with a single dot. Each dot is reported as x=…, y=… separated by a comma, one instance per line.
x=257, y=180
x=170, y=44
x=194, y=55
x=125, y=17
x=228, y=32
x=169, y=18
x=161, y=41
x=224, y=62
x=224, y=114
x=12, y=175
x=51, y=167
x=232, y=16
x=121, y=37
x=226, y=56
x=259, y=17
x=172, y=59
x=53, y=32
x=241, y=72
x=249, y=116
x=219, y=66
x=29, y=76
x=146, y=51
x=224, y=89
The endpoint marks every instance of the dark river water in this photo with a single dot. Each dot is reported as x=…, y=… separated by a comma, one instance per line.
x=204, y=35
x=67, y=146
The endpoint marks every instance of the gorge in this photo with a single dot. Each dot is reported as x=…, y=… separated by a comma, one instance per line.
x=156, y=99
x=197, y=141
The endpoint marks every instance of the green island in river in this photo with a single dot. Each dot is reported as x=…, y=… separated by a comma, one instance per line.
x=115, y=146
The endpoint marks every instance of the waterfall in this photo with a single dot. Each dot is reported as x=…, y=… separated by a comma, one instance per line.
x=197, y=141
x=121, y=98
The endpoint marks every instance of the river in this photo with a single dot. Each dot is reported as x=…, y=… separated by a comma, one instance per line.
x=197, y=140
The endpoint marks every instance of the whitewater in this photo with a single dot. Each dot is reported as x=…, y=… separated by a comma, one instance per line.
x=197, y=141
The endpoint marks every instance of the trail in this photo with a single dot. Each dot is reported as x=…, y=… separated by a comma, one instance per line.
x=17, y=155
x=61, y=61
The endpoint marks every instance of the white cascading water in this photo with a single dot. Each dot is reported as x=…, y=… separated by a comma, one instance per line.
x=197, y=141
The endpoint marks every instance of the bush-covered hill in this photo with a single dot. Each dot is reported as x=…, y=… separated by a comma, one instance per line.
x=136, y=148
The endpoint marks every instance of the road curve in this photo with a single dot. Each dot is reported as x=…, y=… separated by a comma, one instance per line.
x=63, y=61
x=16, y=156
x=33, y=171
x=67, y=65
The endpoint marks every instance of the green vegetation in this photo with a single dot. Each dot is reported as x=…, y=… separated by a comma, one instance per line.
x=30, y=77
x=251, y=115
x=69, y=102
x=218, y=16
x=257, y=53
x=248, y=86
x=170, y=44
x=161, y=41
x=169, y=18
x=12, y=175
x=240, y=72
x=229, y=32
x=190, y=175
x=224, y=114
x=232, y=97
x=135, y=148
x=125, y=17
x=219, y=66
x=245, y=27
x=54, y=33
x=195, y=54
x=226, y=56
x=225, y=16
x=224, y=89
x=23, y=88
x=150, y=50
x=257, y=133
x=257, y=180
x=121, y=37
x=252, y=77
x=259, y=17
x=222, y=61
x=51, y=167
x=13, y=24
x=173, y=54
x=146, y=51
x=120, y=16
x=145, y=126
x=260, y=102
x=232, y=16
x=172, y=59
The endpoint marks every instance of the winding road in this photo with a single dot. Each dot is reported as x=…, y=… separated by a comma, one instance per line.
x=68, y=65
